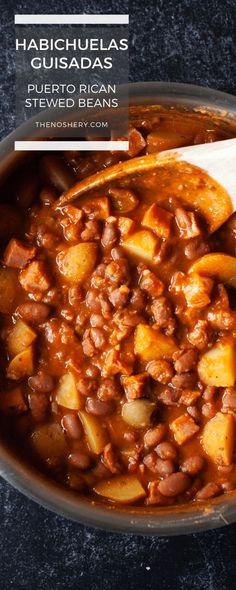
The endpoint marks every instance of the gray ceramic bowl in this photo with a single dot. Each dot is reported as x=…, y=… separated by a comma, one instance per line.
x=149, y=521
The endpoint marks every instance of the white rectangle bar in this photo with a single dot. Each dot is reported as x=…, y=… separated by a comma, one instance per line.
x=71, y=19
x=58, y=146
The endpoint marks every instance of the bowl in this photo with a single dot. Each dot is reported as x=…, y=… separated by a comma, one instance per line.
x=25, y=478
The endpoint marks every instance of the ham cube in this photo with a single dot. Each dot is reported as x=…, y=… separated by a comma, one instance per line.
x=17, y=254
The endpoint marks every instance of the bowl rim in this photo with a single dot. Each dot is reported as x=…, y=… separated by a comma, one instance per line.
x=25, y=478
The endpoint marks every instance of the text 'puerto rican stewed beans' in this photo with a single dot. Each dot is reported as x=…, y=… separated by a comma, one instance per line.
x=118, y=322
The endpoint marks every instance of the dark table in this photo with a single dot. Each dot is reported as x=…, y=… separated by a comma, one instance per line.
x=177, y=40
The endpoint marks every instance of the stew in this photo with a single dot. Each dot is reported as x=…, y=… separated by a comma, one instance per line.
x=118, y=322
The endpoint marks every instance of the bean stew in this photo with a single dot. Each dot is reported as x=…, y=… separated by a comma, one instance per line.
x=118, y=321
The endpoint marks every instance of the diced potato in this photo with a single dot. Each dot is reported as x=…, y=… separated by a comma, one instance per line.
x=137, y=413
x=77, y=262
x=219, y=266
x=150, y=344
x=183, y=428
x=49, y=443
x=20, y=338
x=218, y=438
x=22, y=365
x=67, y=394
x=95, y=432
x=158, y=220
x=197, y=290
x=122, y=488
x=7, y=289
x=217, y=366
x=165, y=139
x=142, y=244
x=125, y=226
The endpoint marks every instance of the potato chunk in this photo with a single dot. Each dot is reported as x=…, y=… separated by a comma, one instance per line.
x=67, y=394
x=218, y=438
x=183, y=428
x=20, y=338
x=217, y=366
x=8, y=290
x=125, y=226
x=21, y=365
x=219, y=266
x=49, y=443
x=150, y=344
x=137, y=413
x=142, y=244
x=123, y=489
x=77, y=262
x=95, y=432
x=165, y=139
x=158, y=220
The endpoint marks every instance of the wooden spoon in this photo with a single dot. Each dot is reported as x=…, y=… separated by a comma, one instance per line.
x=217, y=159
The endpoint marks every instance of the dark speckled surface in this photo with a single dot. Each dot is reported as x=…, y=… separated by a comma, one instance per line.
x=176, y=40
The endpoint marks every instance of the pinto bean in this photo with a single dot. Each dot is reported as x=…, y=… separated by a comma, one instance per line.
x=86, y=386
x=72, y=426
x=161, y=370
x=195, y=248
x=117, y=272
x=193, y=465
x=209, y=410
x=80, y=460
x=137, y=300
x=97, y=320
x=169, y=397
x=229, y=399
x=39, y=405
x=184, y=380
x=119, y=297
x=75, y=295
x=98, y=337
x=32, y=312
x=154, y=436
x=109, y=389
x=92, y=300
x=88, y=345
x=166, y=450
x=157, y=465
x=164, y=467
x=210, y=490
x=91, y=231
x=150, y=283
x=199, y=335
x=163, y=315
x=185, y=360
x=98, y=407
x=175, y=484
x=110, y=234
x=41, y=382
x=209, y=393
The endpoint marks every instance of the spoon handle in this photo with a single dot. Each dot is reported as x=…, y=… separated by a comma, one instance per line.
x=218, y=159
